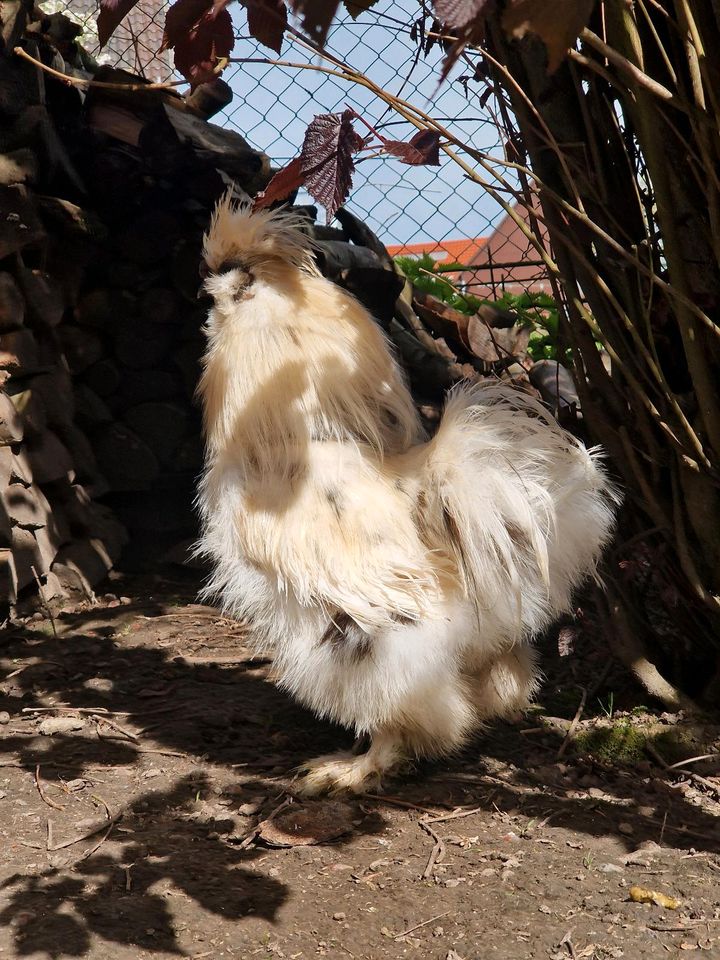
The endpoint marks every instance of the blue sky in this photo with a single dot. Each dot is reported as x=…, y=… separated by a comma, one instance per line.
x=274, y=104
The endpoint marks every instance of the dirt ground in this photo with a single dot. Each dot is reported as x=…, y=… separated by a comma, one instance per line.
x=143, y=750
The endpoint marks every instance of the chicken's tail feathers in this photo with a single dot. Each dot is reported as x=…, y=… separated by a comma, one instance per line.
x=522, y=504
x=238, y=233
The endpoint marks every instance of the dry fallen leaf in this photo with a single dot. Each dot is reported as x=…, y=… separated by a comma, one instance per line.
x=641, y=895
x=309, y=824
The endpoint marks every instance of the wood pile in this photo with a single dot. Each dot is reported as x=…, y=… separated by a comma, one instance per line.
x=104, y=196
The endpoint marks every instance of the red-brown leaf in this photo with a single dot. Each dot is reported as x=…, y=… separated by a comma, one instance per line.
x=111, y=13
x=422, y=149
x=317, y=16
x=458, y=13
x=267, y=21
x=180, y=19
x=556, y=22
x=210, y=39
x=327, y=159
x=282, y=185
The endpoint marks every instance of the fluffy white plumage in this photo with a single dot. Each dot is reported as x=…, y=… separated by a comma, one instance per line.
x=397, y=581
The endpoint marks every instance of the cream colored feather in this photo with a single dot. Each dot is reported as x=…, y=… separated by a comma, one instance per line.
x=397, y=580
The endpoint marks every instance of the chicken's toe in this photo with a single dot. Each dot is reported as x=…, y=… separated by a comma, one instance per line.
x=340, y=772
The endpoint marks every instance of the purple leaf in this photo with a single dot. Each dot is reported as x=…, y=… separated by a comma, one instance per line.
x=327, y=159
x=422, y=149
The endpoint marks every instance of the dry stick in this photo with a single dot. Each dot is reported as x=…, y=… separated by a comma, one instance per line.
x=437, y=853
x=573, y=726
x=52, y=847
x=43, y=797
x=97, y=84
x=91, y=850
x=683, y=763
x=455, y=815
x=64, y=708
x=693, y=776
x=423, y=924
x=115, y=726
x=397, y=802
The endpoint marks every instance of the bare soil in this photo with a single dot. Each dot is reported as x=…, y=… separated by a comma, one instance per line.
x=130, y=832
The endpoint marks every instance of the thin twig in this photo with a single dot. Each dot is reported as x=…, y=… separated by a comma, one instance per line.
x=397, y=802
x=53, y=847
x=573, y=726
x=455, y=815
x=97, y=84
x=115, y=726
x=423, y=924
x=43, y=796
x=708, y=784
x=683, y=763
x=437, y=854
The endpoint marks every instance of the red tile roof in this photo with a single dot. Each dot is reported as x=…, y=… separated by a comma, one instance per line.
x=456, y=251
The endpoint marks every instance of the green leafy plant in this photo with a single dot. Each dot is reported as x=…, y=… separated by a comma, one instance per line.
x=535, y=310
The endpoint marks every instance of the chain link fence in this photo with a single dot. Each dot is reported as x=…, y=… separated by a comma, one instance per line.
x=414, y=210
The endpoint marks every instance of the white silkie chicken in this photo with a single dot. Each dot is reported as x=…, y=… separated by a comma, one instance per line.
x=396, y=581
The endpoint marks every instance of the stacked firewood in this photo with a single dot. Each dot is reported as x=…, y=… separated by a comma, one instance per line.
x=104, y=195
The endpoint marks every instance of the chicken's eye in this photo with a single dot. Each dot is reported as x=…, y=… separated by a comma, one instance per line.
x=227, y=265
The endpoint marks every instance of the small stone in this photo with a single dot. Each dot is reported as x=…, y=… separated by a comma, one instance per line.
x=125, y=601
x=610, y=868
x=339, y=915
x=4, y=717
x=53, y=725
x=626, y=828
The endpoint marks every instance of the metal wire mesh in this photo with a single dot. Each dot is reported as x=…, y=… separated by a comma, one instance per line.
x=413, y=209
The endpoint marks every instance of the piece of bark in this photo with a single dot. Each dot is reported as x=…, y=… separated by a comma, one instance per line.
x=556, y=385
x=69, y=218
x=209, y=98
x=90, y=410
x=30, y=406
x=11, y=424
x=26, y=554
x=14, y=16
x=43, y=297
x=139, y=387
x=101, y=307
x=19, y=353
x=81, y=565
x=19, y=222
x=103, y=377
x=8, y=578
x=56, y=389
x=161, y=425
x=179, y=142
x=12, y=304
x=142, y=346
x=18, y=166
x=360, y=234
x=49, y=459
x=127, y=463
x=81, y=348
x=334, y=257
x=160, y=305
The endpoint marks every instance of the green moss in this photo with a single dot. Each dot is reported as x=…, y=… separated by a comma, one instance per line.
x=620, y=743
